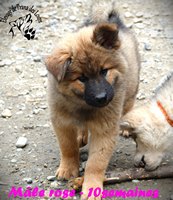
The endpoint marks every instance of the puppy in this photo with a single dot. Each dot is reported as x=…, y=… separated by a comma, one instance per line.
x=93, y=81
x=151, y=125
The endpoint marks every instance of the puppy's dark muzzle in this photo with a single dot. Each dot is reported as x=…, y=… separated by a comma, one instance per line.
x=98, y=93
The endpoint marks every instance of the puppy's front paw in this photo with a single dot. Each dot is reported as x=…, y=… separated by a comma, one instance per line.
x=139, y=160
x=67, y=171
x=152, y=161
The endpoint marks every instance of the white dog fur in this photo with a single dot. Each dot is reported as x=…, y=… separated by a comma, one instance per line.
x=149, y=127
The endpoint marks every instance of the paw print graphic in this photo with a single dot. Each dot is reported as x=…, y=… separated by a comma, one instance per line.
x=30, y=33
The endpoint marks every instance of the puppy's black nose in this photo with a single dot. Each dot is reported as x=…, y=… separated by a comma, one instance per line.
x=101, y=98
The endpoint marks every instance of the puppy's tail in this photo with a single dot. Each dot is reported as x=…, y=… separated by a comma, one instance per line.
x=104, y=11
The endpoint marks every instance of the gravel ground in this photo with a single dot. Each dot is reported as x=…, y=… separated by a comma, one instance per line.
x=23, y=106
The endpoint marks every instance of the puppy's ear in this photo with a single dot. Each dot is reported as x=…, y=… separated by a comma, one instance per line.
x=106, y=35
x=57, y=64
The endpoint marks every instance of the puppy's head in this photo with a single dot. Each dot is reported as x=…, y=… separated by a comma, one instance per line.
x=87, y=65
x=150, y=134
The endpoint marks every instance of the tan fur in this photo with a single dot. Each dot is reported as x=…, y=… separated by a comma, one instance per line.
x=70, y=114
x=150, y=129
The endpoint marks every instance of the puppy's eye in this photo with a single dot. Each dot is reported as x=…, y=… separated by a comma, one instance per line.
x=83, y=78
x=103, y=72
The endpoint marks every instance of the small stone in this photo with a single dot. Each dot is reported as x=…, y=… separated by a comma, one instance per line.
x=61, y=183
x=147, y=47
x=141, y=79
x=54, y=184
x=22, y=173
x=13, y=160
x=37, y=59
x=118, y=151
x=19, y=113
x=137, y=20
x=45, y=125
x=139, y=14
x=125, y=5
x=36, y=111
x=83, y=164
x=43, y=106
x=145, y=81
x=18, y=69
x=28, y=180
x=21, y=142
x=135, y=181
x=141, y=96
x=6, y=113
x=164, y=163
x=21, y=107
x=157, y=60
x=51, y=178
x=140, y=25
x=129, y=25
x=27, y=127
x=8, y=62
x=19, y=149
x=24, y=92
x=45, y=83
x=2, y=63
x=72, y=18
x=45, y=165
x=127, y=154
x=43, y=73
x=171, y=198
x=128, y=14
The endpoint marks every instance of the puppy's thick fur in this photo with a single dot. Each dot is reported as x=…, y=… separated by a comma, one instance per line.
x=93, y=81
x=151, y=126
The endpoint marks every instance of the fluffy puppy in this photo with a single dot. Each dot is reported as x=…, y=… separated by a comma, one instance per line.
x=151, y=125
x=93, y=81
